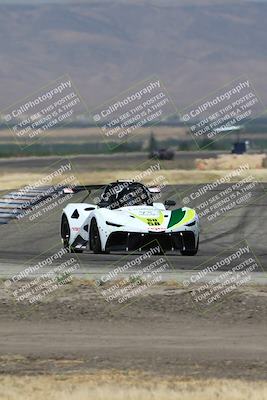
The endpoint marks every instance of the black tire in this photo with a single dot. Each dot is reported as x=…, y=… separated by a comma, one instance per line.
x=65, y=234
x=95, y=241
x=77, y=251
x=192, y=252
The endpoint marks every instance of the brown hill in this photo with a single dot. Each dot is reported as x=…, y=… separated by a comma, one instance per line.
x=194, y=47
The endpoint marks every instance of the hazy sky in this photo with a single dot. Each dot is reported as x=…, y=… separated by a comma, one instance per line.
x=45, y=1
x=40, y=1
x=33, y=1
x=88, y=1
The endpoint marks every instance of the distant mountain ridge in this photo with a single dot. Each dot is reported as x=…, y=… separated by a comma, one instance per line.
x=107, y=47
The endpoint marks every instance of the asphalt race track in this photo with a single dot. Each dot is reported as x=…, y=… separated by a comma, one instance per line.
x=24, y=243
x=162, y=332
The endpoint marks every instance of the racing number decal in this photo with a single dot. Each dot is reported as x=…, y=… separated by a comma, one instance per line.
x=153, y=222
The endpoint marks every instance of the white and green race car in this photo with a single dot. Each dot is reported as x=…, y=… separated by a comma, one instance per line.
x=126, y=218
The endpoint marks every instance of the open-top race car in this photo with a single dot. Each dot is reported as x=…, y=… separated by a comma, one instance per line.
x=127, y=218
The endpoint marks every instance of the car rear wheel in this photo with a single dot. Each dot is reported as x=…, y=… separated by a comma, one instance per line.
x=65, y=235
x=65, y=232
x=192, y=252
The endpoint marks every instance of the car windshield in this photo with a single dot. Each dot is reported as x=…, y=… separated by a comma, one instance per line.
x=125, y=194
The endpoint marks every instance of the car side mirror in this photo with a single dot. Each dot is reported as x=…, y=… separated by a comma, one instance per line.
x=169, y=203
x=103, y=203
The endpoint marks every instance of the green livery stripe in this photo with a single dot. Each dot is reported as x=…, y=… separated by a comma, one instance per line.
x=180, y=217
x=176, y=217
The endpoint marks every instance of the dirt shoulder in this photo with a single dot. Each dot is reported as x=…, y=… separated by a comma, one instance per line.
x=163, y=333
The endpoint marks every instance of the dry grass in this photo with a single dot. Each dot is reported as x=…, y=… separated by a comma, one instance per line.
x=172, y=177
x=14, y=180
x=231, y=161
x=115, y=385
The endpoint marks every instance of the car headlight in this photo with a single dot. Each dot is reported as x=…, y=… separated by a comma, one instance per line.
x=113, y=224
x=191, y=223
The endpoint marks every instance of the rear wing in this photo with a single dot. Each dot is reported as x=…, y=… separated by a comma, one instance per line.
x=81, y=188
x=89, y=188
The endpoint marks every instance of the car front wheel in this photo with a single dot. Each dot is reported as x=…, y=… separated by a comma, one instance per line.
x=95, y=241
x=191, y=252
